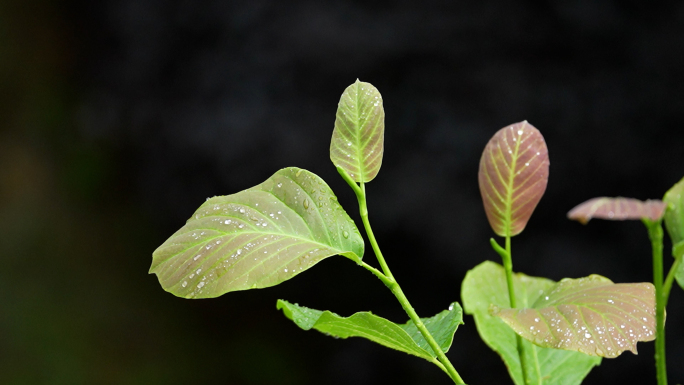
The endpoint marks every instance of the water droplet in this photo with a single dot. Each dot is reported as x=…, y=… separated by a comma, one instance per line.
x=451, y=307
x=306, y=203
x=199, y=285
x=279, y=185
x=198, y=271
x=227, y=221
x=345, y=234
x=587, y=335
x=285, y=270
x=299, y=172
x=242, y=211
x=520, y=132
x=184, y=284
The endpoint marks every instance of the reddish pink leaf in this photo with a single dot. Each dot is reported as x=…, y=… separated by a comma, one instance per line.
x=514, y=171
x=592, y=315
x=617, y=209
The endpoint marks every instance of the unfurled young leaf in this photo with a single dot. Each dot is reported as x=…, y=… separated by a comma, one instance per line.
x=514, y=171
x=591, y=315
x=357, y=140
x=257, y=238
x=617, y=209
x=405, y=338
x=484, y=286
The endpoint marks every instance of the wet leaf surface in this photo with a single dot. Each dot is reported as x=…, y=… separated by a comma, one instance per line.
x=405, y=337
x=485, y=285
x=357, y=140
x=591, y=315
x=257, y=238
x=514, y=171
x=617, y=209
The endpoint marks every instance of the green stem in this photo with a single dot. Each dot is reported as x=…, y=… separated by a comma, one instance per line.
x=508, y=267
x=393, y=285
x=667, y=286
x=655, y=233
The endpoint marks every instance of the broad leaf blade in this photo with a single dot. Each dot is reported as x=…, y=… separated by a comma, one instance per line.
x=514, y=171
x=485, y=285
x=404, y=338
x=591, y=315
x=678, y=253
x=674, y=216
x=617, y=209
x=257, y=238
x=357, y=140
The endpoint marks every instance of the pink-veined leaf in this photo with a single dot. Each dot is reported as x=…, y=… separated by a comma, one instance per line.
x=357, y=143
x=592, y=315
x=617, y=209
x=514, y=171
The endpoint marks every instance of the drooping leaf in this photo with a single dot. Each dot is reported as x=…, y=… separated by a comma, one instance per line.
x=674, y=215
x=405, y=338
x=357, y=140
x=591, y=315
x=617, y=209
x=257, y=238
x=485, y=285
x=514, y=171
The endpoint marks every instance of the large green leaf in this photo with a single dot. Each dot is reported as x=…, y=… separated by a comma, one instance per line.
x=678, y=251
x=591, y=315
x=257, y=238
x=674, y=216
x=617, y=209
x=674, y=222
x=485, y=285
x=357, y=140
x=405, y=338
x=514, y=171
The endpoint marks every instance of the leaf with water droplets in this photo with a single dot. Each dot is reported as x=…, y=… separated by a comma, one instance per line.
x=514, y=171
x=617, y=209
x=591, y=315
x=485, y=285
x=357, y=140
x=403, y=337
x=257, y=238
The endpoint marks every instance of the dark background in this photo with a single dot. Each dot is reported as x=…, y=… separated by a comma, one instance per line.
x=118, y=118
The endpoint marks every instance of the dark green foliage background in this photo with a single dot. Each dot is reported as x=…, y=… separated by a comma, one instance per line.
x=119, y=118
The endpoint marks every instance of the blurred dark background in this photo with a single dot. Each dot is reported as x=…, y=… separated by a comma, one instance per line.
x=118, y=119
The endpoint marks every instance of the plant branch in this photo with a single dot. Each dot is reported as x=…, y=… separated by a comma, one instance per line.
x=655, y=233
x=393, y=285
x=508, y=267
x=667, y=286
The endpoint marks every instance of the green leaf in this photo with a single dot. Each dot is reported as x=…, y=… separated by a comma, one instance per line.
x=485, y=285
x=514, y=171
x=357, y=140
x=257, y=238
x=678, y=253
x=617, y=209
x=405, y=338
x=591, y=315
x=674, y=216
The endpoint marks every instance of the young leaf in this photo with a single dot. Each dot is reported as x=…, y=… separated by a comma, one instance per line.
x=486, y=285
x=257, y=238
x=674, y=216
x=405, y=338
x=357, y=140
x=514, y=171
x=617, y=209
x=591, y=315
